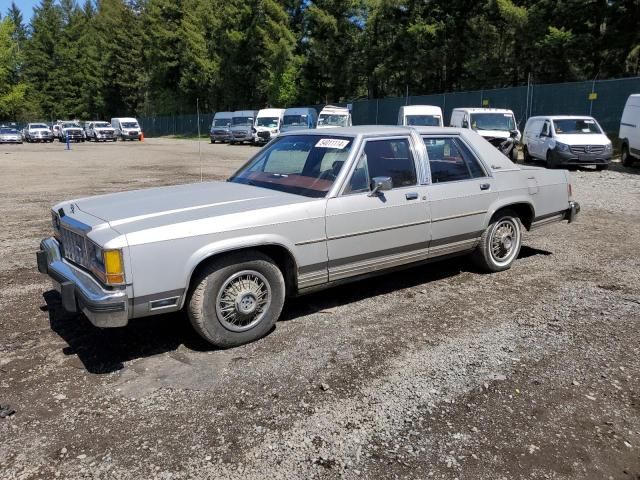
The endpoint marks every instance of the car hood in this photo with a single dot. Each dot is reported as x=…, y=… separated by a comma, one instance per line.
x=128, y=212
x=240, y=128
x=583, y=139
x=493, y=133
x=38, y=130
x=291, y=128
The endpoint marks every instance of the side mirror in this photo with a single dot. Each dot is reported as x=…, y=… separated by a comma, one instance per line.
x=380, y=184
x=465, y=124
x=513, y=133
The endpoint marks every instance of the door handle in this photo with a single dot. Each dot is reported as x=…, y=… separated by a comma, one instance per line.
x=411, y=196
x=485, y=186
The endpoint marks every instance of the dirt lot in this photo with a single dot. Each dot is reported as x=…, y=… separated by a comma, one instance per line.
x=434, y=372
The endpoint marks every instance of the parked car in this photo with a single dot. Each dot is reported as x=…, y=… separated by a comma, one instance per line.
x=332, y=117
x=310, y=210
x=38, y=132
x=299, y=119
x=99, y=131
x=630, y=131
x=126, y=128
x=10, y=135
x=241, y=129
x=267, y=124
x=70, y=129
x=220, y=127
x=420, y=115
x=496, y=125
x=567, y=141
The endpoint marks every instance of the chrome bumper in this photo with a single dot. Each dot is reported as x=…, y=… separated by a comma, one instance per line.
x=80, y=291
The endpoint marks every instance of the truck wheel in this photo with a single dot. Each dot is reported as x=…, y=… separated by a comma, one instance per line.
x=551, y=163
x=625, y=156
x=525, y=153
x=236, y=299
x=604, y=166
x=500, y=243
x=513, y=155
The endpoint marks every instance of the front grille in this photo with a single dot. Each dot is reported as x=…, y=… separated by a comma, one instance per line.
x=239, y=134
x=587, y=149
x=265, y=135
x=74, y=246
x=218, y=132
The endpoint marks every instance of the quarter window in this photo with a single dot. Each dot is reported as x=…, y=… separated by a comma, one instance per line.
x=450, y=160
x=384, y=158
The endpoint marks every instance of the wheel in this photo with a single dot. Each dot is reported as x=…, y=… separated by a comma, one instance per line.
x=513, y=155
x=500, y=243
x=236, y=299
x=551, y=163
x=213, y=141
x=231, y=143
x=604, y=166
x=625, y=156
x=527, y=157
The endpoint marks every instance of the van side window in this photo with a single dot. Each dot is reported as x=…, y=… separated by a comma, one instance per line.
x=384, y=158
x=545, y=129
x=451, y=161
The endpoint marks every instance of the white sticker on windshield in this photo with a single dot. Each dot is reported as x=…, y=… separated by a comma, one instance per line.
x=332, y=143
x=588, y=122
x=506, y=114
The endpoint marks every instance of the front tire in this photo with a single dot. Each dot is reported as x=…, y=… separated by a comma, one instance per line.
x=604, y=166
x=625, y=156
x=500, y=243
x=236, y=299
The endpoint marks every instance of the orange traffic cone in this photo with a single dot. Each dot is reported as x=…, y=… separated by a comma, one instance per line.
x=142, y=136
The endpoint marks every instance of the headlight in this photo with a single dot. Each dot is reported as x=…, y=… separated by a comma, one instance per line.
x=608, y=147
x=107, y=265
x=562, y=147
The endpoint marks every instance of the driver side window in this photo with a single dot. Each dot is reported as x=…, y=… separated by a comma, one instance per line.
x=546, y=130
x=384, y=158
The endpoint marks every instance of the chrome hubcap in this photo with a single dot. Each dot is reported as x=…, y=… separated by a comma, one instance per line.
x=504, y=241
x=243, y=300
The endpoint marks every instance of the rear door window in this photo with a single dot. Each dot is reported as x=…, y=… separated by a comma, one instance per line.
x=451, y=161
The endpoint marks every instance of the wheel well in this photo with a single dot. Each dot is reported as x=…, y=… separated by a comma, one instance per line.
x=279, y=254
x=524, y=211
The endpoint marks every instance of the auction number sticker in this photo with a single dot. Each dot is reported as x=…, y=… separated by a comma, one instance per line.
x=332, y=143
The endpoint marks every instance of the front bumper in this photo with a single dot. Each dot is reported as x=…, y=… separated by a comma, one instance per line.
x=219, y=136
x=572, y=212
x=80, y=291
x=569, y=158
x=10, y=140
x=241, y=136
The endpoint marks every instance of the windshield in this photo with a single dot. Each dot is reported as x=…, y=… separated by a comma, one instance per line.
x=493, y=121
x=300, y=164
x=268, y=122
x=242, y=121
x=8, y=130
x=333, y=120
x=70, y=125
x=295, y=120
x=576, y=125
x=423, y=120
x=102, y=125
x=221, y=122
x=129, y=125
x=39, y=125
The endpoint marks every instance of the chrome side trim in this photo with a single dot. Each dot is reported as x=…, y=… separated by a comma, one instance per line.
x=461, y=215
x=454, y=247
x=310, y=279
x=379, y=263
x=546, y=221
x=376, y=230
x=309, y=242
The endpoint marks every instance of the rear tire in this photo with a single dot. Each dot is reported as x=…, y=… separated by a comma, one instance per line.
x=527, y=157
x=236, y=299
x=625, y=156
x=513, y=155
x=605, y=166
x=500, y=243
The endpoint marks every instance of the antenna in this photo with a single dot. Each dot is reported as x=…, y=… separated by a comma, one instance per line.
x=199, y=142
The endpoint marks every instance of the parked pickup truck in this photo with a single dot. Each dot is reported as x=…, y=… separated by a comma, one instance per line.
x=310, y=210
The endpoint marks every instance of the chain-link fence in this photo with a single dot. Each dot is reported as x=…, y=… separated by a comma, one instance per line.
x=603, y=99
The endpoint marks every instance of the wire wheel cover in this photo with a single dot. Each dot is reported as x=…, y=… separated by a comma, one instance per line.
x=243, y=300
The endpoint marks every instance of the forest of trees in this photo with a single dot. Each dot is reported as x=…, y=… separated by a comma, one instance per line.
x=154, y=57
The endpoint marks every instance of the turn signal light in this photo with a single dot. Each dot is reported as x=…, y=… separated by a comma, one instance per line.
x=113, y=267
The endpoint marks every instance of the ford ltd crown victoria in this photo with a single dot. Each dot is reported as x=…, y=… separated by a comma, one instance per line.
x=309, y=210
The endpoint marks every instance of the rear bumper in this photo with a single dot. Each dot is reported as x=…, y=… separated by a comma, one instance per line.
x=80, y=291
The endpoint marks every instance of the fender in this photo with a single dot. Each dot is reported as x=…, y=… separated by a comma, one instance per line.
x=520, y=200
x=232, y=244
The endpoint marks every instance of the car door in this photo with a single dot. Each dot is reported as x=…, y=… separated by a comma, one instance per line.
x=542, y=144
x=368, y=232
x=460, y=195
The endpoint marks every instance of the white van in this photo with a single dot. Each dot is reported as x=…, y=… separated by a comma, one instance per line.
x=494, y=124
x=630, y=131
x=126, y=128
x=332, y=117
x=267, y=124
x=420, y=116
x=564, y=140
x=220, y=127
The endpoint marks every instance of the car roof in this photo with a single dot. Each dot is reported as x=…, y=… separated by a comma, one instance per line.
x=482, y=110
x=561, y=117
x=375, y=130
x=421, y=108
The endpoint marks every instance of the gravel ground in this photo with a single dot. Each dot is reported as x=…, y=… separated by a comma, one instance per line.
x=434, y=372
